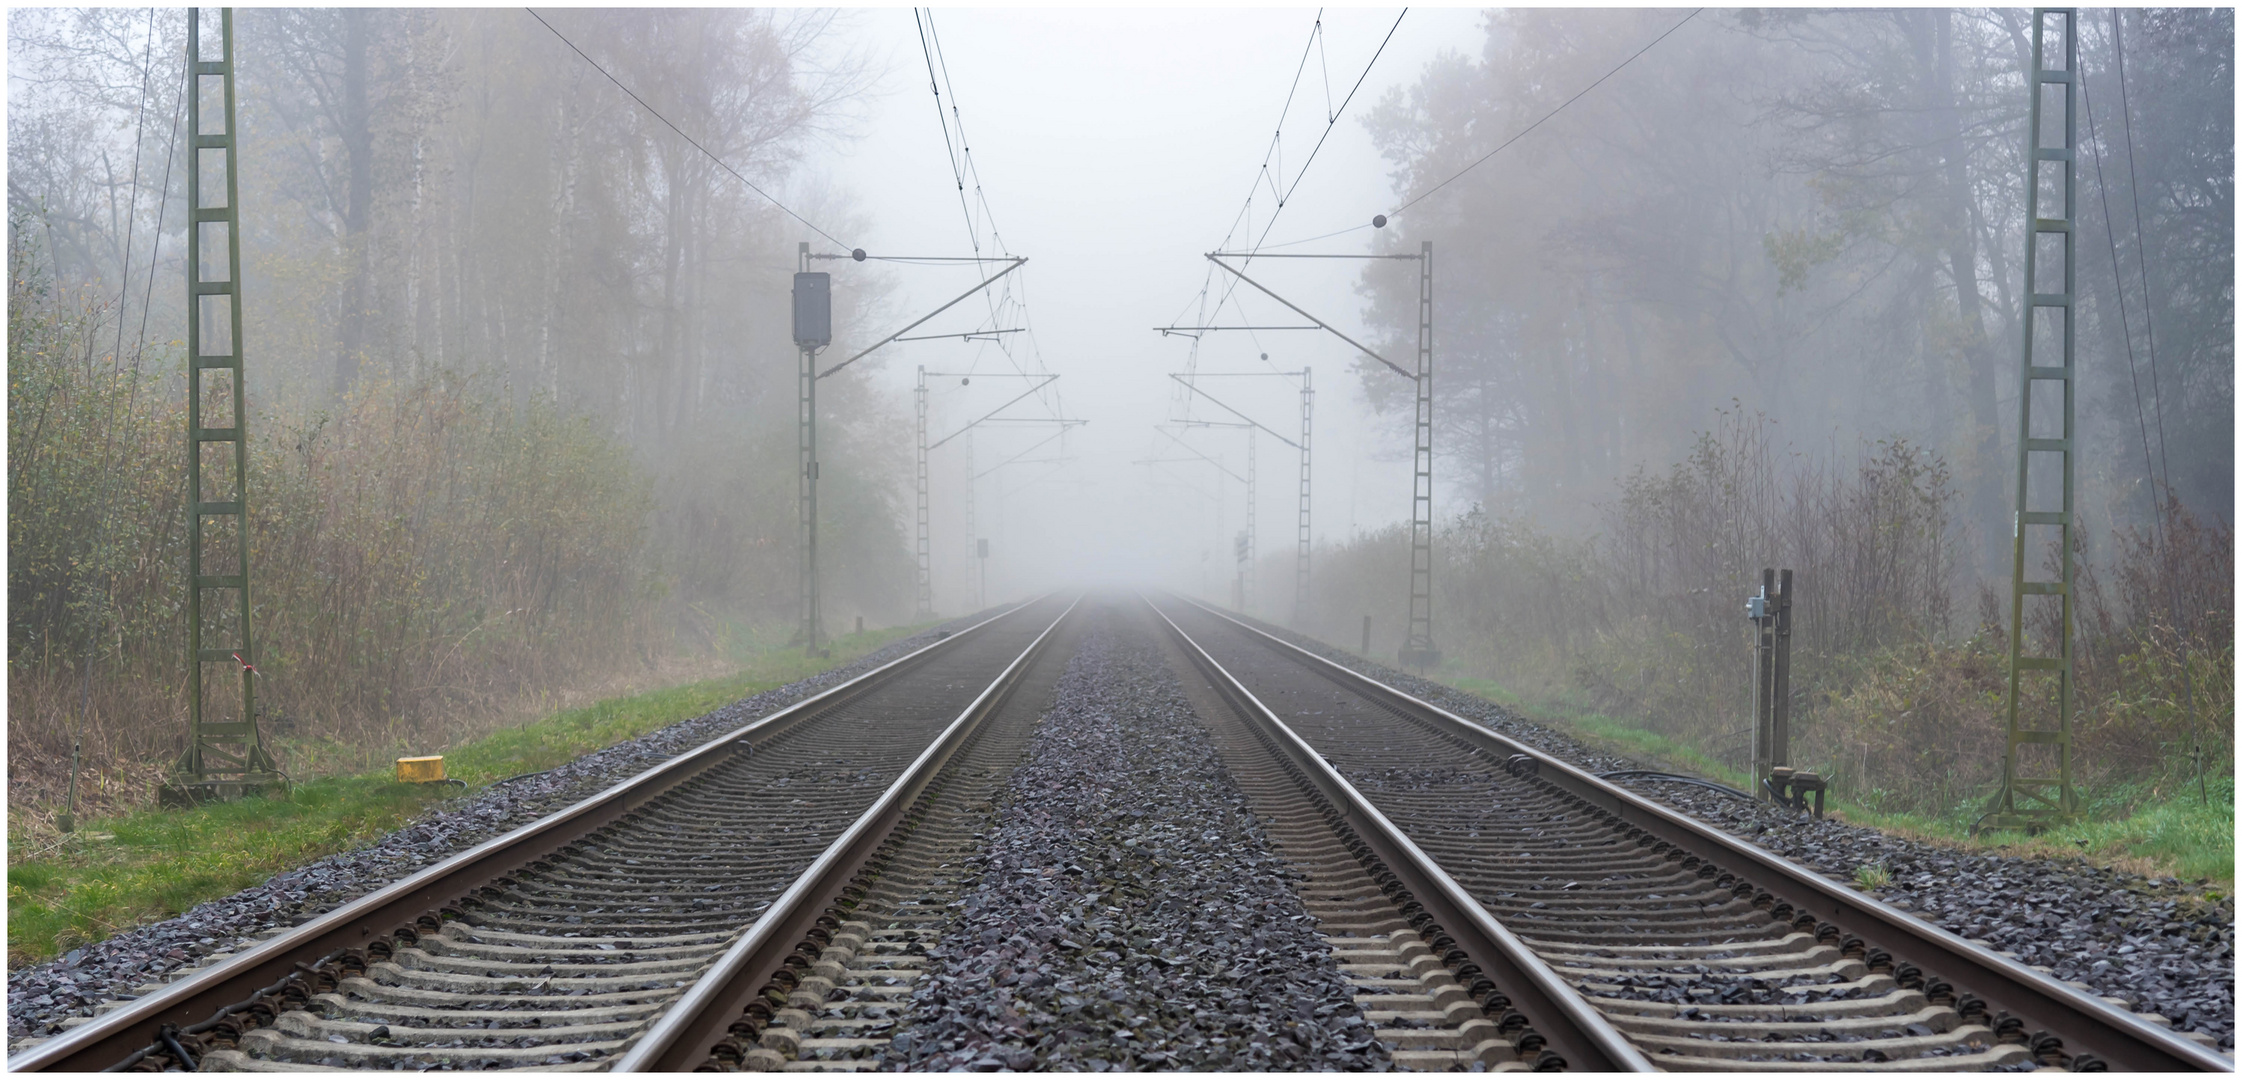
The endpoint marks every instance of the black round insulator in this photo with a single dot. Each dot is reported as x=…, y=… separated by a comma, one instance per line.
x=857, y=254
x=1264, y=356
x=1378, y=221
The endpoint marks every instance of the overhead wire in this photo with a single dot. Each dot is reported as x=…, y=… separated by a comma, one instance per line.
x=2140, y=243
x=1283, y=196
x=116, y=359
x=696, y=143
x=2148, y=322
x=1009, y=298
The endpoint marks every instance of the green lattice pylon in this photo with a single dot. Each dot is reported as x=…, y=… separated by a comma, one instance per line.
x=225, y=753
x=2036, y=769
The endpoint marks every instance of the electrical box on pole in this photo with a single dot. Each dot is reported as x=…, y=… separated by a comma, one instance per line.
x=2036, y=769
x=226, y=755
x=813, y=308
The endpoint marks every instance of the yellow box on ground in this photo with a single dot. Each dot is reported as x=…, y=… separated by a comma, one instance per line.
x=420, y=770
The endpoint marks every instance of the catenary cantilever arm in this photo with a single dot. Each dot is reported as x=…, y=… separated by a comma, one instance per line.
x=1367, y=350
x=1016, y=263
x=1250, y=420
x=992, y=412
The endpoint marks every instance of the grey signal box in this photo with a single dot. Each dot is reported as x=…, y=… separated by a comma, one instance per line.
x=813, y=310
x=983, y=548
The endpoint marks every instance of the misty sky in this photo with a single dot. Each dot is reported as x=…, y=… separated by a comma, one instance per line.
x=1116, y=147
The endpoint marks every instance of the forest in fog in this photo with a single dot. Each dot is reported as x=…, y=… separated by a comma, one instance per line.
x=1760, y=306
x=517, y=420
x=522, y=402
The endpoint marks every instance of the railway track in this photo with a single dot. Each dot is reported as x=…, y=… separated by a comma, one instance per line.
x=768, y=902
x=558, y=946
x=1703, y=952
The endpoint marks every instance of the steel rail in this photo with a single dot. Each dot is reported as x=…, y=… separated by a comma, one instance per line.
x=1576, y=1030
x=2083, y=1021
x=690, y=1028
x=137, y=1025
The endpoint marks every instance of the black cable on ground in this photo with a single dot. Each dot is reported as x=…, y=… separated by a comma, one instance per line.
x=1675, y=778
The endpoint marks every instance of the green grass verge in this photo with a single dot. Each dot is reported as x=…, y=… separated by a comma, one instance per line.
x=120, y=872
x=2165, y=830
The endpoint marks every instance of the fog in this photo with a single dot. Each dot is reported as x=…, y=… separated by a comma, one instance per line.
x=1810, y=218
x=1116, y=148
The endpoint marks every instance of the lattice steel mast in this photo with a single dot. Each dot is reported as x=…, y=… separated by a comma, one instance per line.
x=2029, y=797
x=925, y=608
x=1300, y=567
x=224, y=756
x=806, y=455
x=1418, y=648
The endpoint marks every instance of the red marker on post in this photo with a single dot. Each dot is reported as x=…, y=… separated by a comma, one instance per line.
x=246, y=665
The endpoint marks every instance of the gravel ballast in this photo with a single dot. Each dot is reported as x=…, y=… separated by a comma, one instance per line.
x=1129, y=912
x=2157, y=943
x=41, y=996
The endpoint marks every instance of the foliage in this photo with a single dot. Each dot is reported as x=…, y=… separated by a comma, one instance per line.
x=420, y=554
x=1643, y=620
x=143, y=865
x=1818, y=214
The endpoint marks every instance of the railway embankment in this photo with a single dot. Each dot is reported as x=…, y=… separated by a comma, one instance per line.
x=2162, y=946
x=49, y=985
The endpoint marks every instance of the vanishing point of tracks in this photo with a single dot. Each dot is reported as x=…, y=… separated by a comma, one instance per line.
x=767, y=900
